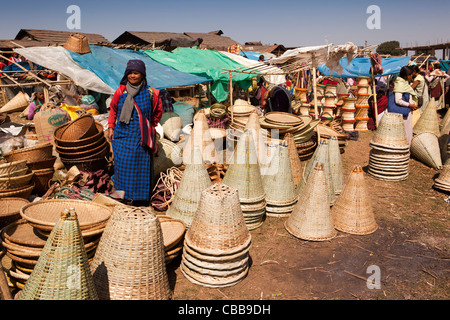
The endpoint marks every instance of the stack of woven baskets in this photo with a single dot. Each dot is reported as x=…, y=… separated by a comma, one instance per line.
x=82, y=143
x=389, y=157
x=362, y=104
x=40, y=160
x=239, y=114
x=216, y=246
x=329, y=104
x=442, y=182
x=348, y=114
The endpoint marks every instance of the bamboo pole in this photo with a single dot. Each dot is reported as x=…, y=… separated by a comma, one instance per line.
x=30, y=73
x=28, y=84
x=231, y=96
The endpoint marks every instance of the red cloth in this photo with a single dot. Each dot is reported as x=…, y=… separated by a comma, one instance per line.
x=375, y=60
x=382, y=104
x=328, y=81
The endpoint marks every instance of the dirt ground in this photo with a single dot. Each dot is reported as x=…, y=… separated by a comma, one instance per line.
x=411, y=249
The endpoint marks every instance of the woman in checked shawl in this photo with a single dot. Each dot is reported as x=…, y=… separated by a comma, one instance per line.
x=135, y=111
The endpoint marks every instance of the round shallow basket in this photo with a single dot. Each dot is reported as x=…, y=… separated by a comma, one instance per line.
x=47, y=212
x=24, y=192
x=284, y=118
x=15, y=182
x=41, y=179
x=80, y=128
x=99, y=154
x=10, y=210
x=5, y=168
x=42, y=164
x=173, y=232
x=82, y=148
x=86, y=165
x=15, y=173
x=80, y=155
x=76, y=143
x=241, y=110
x=31, y=154
x=22, y=233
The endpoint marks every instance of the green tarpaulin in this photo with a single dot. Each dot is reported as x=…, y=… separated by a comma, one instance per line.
x=205, y=63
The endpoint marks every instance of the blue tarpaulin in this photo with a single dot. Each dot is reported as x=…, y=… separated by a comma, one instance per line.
x=251, y=55
x=360, y=67
x=109, y=65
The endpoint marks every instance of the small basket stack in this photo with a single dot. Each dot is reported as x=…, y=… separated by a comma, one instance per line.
x=329, y=104
x=10, y=210
x=82, y=143
x=362, y=104
x=173, y=231
x=216, y=247
x=389, y=157
x=348, y=114
x=239, y=113
x=442, y=182
x=16, y=181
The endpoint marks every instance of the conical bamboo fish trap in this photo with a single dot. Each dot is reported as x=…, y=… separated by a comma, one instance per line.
x=311, y=218
x=336, y=165
x=428, y=121
x=296, y=164
x=62, y=271
x=201, y=137
x=442, y=182
x=391, y=133
x=195, y=179
x=321, y=155
x=259, y=134
x=353, y=212
x=244, y=173
x=18, y=103
x=444, y=126
x=425, y=148
x=279, y=184
x=129, y=263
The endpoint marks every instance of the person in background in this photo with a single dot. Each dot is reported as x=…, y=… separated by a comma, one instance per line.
x=420, y=87
x=38, y=100
x=260, y=94
x=14, y=58
x=403, y=99
x=135, y=111
x=382, y=103
x=261, y=58
x=2, y=64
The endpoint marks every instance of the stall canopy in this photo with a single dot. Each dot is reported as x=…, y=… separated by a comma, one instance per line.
x=205, y=63
x=360, y=67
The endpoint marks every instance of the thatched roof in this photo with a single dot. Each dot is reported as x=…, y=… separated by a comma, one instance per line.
x=56, y=37
x=276, y=49
x=12, y=44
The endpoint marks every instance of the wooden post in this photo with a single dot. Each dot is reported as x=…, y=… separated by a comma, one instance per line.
x=316, y=109
x=231, y=96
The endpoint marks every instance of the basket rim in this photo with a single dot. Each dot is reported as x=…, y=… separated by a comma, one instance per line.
x=32, y=148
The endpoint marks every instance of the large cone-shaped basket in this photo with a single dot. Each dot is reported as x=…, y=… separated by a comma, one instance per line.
x=244, y=174
x=259, y=135
x=353, y=212
x=216, y=247
x=195, y=179
x=201, y=137
x=442, y=182
x=321, y=155
x=444, y=126
x=311, y=218
x=391, y=134
x=18, y=103
x=428, y=121
x=129, y=263
x=425, y=148
x=337, y=174
x=296, y=163
x=62, y=271
x=281, y=195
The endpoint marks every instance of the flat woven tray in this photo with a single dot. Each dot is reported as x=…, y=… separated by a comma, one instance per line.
x=284, y=118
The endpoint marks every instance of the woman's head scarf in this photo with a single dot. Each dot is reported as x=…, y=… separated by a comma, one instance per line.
x=127, y=109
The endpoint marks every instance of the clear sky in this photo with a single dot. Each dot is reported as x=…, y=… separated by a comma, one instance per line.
x=288, y=22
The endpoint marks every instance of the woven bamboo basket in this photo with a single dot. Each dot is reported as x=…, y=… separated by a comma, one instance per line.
x=57, y=136
x=15, y=173
x=278, y=181
x=10, y=210
x=391, y=133
x=172, y=125
x=442, y=182
x=8, y=167
x=218, y=227
x=425, y=148
x=336, y=165
x=129, y=263
x=23, y=192
x=21, y=233
x=81, y=128
x=296, y=164
x=44, y=214
x=363, y=81
x=18, y=103
x=42, y=164
x=15, y=182
x=78, y=155
x=195, y=179
x=311, y=218
x=35, y=153
x=363, y=89
x=63, y=256
x=428, y=121
x=41, y=180
x=353, y=212
x=101, y=152
x=77, y=43
x=80, y=149
x=87, y=165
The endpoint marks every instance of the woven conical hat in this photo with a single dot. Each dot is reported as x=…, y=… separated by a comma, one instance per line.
x=201, y=137
x=278, y=182
x=425, y=148
x=195, y=179
x=62, y=271
x=129, y=263
x=18, y=103
x=311, y=217
x=428, y=121
x=244, y=173
x=391, y=132
x=321, y=155
x=353, y=212
x=336, y=165
x=296, y=163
